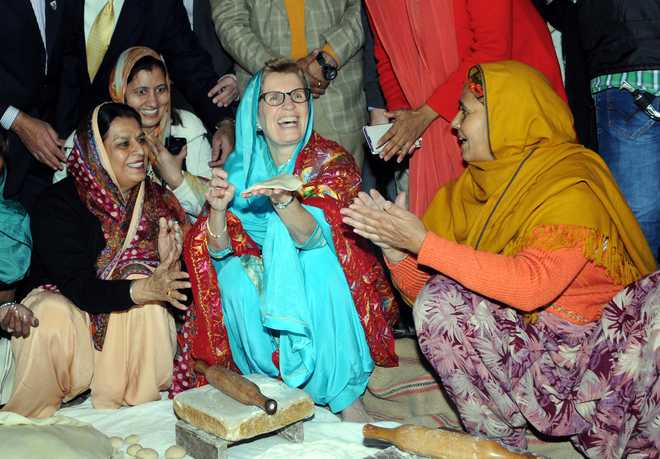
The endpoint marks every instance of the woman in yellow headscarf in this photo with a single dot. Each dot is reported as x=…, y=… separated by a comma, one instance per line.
x=531, y=243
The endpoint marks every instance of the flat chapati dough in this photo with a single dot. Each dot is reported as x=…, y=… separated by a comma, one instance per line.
x=147, y=453
x=57, y=437
x=116, y=442
x=175, y=452
x=132, y=439
x=133, y=449
x=283, y=182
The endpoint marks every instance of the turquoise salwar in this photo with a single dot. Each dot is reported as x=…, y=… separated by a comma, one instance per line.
x=322, y=346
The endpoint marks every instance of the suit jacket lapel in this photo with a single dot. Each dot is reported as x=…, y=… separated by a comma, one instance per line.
x=201, y=10
x=53, y=19
x=24, y=9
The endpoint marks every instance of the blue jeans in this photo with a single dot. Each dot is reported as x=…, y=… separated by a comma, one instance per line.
x=629, y=142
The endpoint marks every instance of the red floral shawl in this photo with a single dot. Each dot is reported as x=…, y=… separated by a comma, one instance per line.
x=331, y=181
x=130, y=226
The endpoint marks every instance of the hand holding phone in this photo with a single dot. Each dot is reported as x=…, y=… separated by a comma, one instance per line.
x=373, y=134
x=175, y=144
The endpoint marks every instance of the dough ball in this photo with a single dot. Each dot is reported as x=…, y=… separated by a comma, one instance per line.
x=133, y=449
x=132, y=439
x=116, y=442
x=147, y=453
x=175, y=452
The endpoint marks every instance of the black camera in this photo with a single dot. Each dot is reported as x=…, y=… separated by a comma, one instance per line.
x=175, y=144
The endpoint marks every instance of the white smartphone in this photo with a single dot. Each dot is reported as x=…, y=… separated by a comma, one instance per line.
x=373, y=134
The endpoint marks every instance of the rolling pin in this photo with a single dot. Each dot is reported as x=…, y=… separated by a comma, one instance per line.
x=235, y=386
x=440, y=444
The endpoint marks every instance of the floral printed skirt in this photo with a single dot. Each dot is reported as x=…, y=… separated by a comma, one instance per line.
x=596, y=384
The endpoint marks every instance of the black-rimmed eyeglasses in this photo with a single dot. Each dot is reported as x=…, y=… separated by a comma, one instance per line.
x=276, y=98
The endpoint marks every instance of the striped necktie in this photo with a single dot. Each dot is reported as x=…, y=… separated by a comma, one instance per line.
x=99, y=38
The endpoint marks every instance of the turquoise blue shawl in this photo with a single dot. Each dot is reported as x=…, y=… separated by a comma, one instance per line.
x=283, y=300
x=251, y=162
x=284, y=304
x=15, y=238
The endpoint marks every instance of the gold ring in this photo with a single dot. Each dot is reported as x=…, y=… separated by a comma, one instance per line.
x=318, y=83
x=169, y=292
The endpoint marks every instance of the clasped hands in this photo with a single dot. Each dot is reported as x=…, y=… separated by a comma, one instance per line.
x=313, y=73
x=164, y=283
x=387, y=224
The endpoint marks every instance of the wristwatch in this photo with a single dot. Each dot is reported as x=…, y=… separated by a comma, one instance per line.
x=329, y=71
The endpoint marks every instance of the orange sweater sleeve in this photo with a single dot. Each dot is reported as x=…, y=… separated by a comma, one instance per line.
x=408, y=278
x=526, y=281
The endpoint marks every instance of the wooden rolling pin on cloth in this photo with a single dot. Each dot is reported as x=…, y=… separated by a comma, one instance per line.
x=440, y=444
x=236, y=386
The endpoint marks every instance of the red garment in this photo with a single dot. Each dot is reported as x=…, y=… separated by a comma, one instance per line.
x=481, y=36
x=484, y=31
x=130, y=225
x=421, y=63
x=330, y=182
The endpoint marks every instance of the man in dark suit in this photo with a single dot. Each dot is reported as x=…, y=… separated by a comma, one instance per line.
x=199, y=14
x=163, y=26
x=37, y=55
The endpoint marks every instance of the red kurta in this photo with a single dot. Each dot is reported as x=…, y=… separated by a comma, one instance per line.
x=484, y=31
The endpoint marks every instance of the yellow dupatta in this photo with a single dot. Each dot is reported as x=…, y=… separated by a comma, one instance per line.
x=542, y=189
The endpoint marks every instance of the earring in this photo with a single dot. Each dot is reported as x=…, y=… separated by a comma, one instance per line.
x=259, y=128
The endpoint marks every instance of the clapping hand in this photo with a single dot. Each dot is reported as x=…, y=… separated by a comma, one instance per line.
x=17, y=320
x=170, y=239
x=386, y=224
x=165, y=282
x=220, y=192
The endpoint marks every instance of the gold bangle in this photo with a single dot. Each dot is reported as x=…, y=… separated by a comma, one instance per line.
x=212, y=234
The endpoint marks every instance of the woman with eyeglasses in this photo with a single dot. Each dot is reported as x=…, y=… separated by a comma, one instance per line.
x=280, y=287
